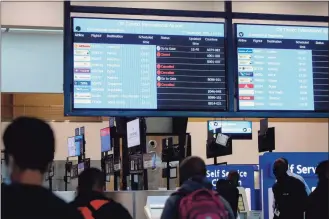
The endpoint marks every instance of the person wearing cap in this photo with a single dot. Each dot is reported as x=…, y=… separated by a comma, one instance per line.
x=318, y=204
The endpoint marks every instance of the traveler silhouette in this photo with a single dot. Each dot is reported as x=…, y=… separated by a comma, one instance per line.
x=91, y=200
x=300, y=178
x=195, y=198
x=29, y=150
x=228, y=190
x=317, y=205
x=289, y=193
x=307, y=189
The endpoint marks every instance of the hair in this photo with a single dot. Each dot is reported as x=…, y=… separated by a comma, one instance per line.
x=234, y=175
x=280, y=164
x=91, y=179
x=322, y=169
x=285, y=160
x=30, y=142
x=192, y=167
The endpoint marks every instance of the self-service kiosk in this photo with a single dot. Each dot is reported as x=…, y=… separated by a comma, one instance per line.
x=154, y=206
x=243, y=205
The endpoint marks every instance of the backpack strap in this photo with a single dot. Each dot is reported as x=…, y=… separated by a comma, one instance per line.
x=92, y=207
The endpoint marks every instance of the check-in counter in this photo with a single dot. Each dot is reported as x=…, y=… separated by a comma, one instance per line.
x=135, y=201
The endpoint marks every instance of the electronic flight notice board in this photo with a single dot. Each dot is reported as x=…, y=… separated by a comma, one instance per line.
x=152, y=65
x=282, y=67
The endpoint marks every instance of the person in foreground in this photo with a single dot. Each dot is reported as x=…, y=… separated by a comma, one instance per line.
x=195, y=198
x=92, y=202
x=289, y=194
x=318, y=204
x=29, y=150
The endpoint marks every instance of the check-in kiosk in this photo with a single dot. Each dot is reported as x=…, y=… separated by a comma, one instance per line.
x=154, y=206
x=243, y=205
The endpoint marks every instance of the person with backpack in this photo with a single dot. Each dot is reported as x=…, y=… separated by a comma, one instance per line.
x=29, y=149
x=195, y=197
x=227, y=188
x=91, y=201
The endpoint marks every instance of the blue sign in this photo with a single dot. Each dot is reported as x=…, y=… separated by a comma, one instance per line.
x=301, y=163
x=246, y=172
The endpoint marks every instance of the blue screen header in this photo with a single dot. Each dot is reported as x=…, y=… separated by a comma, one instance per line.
x=93, y=25
x=228, y=127
x=281, y=32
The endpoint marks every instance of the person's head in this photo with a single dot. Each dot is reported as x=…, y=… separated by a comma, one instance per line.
x=91, y=180
x=191, y=167
x=322, y=170
x=285, y=160
x=280, y=169
x=29, y=149
x=234, y=177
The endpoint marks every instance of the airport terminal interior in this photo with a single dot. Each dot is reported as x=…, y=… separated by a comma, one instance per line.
x=134, y=87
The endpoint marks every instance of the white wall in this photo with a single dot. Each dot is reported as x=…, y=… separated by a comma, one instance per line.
x=50, y=14
x=290, y=137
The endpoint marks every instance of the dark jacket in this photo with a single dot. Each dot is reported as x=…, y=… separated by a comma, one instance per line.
x=170, y=210
x=290, y=198
x=230, y=192
x=318, y=204
x=28, y=201
x=111, y=209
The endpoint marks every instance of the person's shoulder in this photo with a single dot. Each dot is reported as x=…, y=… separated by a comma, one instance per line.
x=295, y=181
x=116, y=209
x=61, y=207
x=275, y=185
x=299, y=177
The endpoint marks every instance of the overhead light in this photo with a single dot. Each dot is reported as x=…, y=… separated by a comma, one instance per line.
x=3, y=30
x=53, y=120
x=16, y=30
x=66, y=120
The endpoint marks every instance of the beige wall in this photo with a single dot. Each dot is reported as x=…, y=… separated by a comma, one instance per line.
x=50, y=13
x=290, y=137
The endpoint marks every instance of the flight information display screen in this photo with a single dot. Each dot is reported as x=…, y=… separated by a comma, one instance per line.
x=143, y=64
x=282, y=67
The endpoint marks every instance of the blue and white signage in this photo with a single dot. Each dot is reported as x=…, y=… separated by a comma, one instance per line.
x=301, y=163
x=246, y=172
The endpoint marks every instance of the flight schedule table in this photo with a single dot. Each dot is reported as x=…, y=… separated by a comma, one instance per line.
x=134, y=64
x=282, y=67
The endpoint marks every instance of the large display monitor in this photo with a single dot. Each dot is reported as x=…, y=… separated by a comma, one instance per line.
x=125, y=64
x=282, y=68
x=234, y=129
x=105, y=139
x=75, y=144
x=133, y=133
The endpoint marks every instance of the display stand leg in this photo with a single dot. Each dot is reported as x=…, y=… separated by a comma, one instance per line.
x=50, y=179
x=168, y=175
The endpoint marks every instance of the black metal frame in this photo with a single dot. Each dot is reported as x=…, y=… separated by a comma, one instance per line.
x=228, y=15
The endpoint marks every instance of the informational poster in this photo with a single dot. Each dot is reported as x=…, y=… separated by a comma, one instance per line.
x=109, y=164
x=133, y=133
x=82, y=130
x=149, y=160
x=136, y=163
x=117, y=164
